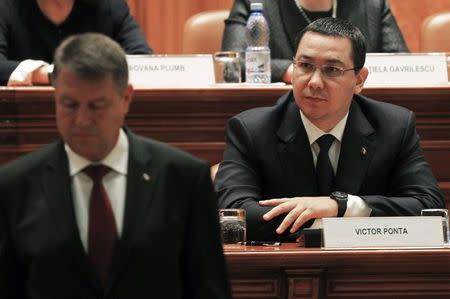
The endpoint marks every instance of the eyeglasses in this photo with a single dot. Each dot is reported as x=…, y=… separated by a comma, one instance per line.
x=329, y=71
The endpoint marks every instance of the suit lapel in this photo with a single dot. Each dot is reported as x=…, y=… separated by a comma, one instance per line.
x=137, y=201
x=57, y=190
x=358, y=148
x=295, y=153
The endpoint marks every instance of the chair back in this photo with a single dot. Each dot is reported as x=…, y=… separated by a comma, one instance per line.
x=435, y=35
x=203, y=32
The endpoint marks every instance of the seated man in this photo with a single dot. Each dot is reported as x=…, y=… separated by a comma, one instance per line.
x=30, y=31
x=105, y=213
x=323, y=150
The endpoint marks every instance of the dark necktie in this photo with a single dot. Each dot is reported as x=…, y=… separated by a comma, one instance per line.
x=324, y=169
x=102, y=225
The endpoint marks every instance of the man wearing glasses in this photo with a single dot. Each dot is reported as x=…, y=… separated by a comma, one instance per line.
x=324, y=150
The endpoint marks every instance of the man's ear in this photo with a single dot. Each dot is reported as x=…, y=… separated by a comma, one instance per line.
x=361, y=77
x=127, y=96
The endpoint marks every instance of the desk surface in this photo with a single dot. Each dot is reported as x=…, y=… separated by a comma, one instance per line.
x=239, y=88
x=289, y=253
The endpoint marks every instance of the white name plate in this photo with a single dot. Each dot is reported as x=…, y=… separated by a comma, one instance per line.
x=406, y=69
x=373, y=232
x=170, y=70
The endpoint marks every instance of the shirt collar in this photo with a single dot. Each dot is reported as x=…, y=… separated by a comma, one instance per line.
x=314, y=132
x=117, y=159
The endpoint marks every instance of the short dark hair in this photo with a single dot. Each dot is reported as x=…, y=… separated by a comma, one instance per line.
x=340, y=28
x=92, y=56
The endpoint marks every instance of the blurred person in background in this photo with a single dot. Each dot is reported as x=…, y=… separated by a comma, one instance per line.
x=30, y=31
x=287, y=18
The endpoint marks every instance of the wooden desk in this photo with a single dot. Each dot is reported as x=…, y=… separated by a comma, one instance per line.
x=293, y=272
x=194, y=118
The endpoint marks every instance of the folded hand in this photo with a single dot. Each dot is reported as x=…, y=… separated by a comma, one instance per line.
x=299, y=210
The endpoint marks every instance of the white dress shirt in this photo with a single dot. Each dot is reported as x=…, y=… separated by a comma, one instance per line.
x=356, y=206
x=115, y=183
x=21, y=76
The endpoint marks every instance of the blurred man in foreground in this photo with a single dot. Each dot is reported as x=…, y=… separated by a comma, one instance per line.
x=104, y=213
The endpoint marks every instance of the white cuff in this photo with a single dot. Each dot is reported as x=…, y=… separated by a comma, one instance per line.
x=357, y=207
x=21, y=76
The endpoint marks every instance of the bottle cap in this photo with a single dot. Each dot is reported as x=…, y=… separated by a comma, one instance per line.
x=256, y=6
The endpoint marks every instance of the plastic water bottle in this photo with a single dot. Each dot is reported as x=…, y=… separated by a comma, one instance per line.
x=257, y=53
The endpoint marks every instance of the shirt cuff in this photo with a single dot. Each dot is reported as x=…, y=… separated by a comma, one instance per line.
x=21, y=76
x=357, y=207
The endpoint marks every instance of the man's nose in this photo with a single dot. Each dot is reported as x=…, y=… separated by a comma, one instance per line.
x=316, y=80
x=83, y=118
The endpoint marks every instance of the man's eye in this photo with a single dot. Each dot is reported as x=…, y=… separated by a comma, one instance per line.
x=69, y=105
x=331, y=70
x=306, y=66
x=98, y=106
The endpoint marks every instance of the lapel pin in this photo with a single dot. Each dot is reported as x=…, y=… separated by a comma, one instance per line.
x=363, y=151
x=146, y=177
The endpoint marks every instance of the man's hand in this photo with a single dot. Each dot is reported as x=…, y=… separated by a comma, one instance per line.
x=299, y=210
x=40, y=76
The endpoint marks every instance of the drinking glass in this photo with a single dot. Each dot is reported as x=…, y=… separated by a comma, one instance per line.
x=232, y=225
x=227, y=67
x=444, y=214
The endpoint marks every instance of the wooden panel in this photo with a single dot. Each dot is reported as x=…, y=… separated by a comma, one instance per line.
x=387, y=285
x=410, y=15
x=437, y=152
x=260, y=287
x=331, y=274
x=303, y=284
x=163, y=20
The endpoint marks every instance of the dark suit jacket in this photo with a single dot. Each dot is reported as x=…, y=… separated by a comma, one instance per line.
x=170, y=245
x=268, y=155
x=25, y=33
x=372, y=17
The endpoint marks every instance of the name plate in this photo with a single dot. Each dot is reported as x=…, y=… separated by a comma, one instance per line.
x=375, y=232
x=406, y=69
x=170, y=70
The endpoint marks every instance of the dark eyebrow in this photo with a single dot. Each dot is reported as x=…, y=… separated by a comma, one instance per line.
x=334, y=61
x=303, y=57
x=99, y=99
x=66, y=97
x=327, y=62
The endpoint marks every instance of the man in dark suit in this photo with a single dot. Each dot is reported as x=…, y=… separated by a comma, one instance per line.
x=105, y=213
x=323, y=150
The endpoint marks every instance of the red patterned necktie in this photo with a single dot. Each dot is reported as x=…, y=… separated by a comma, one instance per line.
x=102, y=225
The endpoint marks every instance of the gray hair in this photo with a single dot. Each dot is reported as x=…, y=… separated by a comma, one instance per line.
x=91, y=56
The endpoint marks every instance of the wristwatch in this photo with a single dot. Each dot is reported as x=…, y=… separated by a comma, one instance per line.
x=341, y=199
